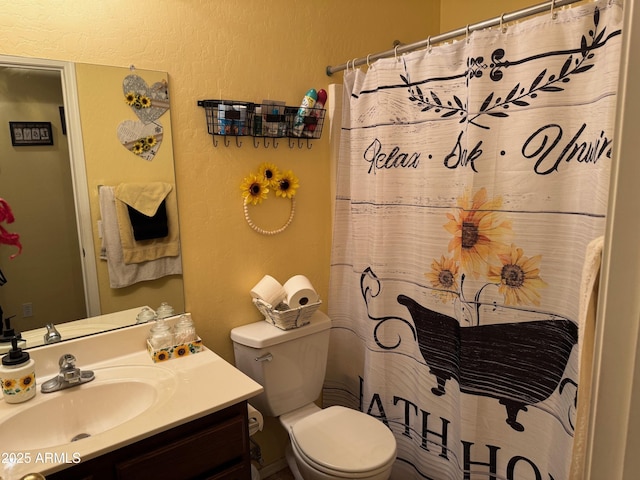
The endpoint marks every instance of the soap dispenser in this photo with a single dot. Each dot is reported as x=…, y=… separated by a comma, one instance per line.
x=18, y=375
x=8, y=333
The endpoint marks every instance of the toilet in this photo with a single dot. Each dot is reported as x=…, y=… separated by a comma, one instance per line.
x=331, y=443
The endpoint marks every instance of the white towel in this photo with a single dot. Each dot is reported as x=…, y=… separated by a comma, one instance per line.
x=588, y=308
x=121, y=274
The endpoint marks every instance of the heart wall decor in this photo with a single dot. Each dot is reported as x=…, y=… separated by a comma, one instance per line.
x=148, y=102
x=142, y=139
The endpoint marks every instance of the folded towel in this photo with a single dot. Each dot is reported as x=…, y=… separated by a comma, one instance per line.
x=120, y=274
x=144, y=197
x=135, y=251
x=147, y=228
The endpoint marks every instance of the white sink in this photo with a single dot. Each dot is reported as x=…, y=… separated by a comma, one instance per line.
x=117, y=395
x=131, y=398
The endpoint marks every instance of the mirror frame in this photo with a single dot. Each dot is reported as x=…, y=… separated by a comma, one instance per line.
x=78, y=170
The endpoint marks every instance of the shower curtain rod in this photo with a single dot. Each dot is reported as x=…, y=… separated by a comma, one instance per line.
x=502, y=19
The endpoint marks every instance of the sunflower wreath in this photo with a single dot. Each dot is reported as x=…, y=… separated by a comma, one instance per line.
x=256, y=187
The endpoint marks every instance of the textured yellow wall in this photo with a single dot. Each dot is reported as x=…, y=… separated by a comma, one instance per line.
x=457, y=14
x=235, y=49
x=243, y=50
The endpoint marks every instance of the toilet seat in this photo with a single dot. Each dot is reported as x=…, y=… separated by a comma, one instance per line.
x=343, y=442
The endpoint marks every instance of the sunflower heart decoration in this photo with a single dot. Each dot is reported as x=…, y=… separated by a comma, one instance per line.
x=141, y=139
x=148, y=102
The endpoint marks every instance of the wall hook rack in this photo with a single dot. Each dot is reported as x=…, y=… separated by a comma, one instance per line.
x=232, y=118
x=301, y=141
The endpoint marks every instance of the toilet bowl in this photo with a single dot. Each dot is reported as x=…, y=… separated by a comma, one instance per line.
x=340, y=443
x=331, y=443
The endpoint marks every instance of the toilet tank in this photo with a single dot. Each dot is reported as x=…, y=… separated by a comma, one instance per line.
x=289, y=364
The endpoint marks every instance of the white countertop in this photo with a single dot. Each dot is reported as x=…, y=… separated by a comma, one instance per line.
x=206, y=383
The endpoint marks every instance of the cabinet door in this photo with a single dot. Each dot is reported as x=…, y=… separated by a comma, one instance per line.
x=212, y=447
x=208, y=450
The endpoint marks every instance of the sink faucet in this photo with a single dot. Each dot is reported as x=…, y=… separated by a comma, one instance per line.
x=69, y=375
x=52, y=335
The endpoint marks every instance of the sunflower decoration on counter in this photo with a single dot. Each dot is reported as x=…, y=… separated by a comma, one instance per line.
x=256, y=187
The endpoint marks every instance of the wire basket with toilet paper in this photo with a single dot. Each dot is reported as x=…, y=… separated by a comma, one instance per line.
x=286, y=306
x=288, y=318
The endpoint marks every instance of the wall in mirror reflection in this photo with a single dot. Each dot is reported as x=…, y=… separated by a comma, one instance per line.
x=45, y=283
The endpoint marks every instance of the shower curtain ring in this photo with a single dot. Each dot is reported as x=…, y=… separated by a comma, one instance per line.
x=429, y=44
x=395, y=52
x=368, y=64
x=503, y=29
x=353, y=64
x=554, y=14
x=467, y=33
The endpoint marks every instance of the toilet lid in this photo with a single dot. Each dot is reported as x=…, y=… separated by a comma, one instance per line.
x=345, y=440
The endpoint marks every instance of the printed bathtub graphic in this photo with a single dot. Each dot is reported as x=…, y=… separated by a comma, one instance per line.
x=520, y=364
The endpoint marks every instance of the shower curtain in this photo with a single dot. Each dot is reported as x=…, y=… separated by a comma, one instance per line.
x=472, y=179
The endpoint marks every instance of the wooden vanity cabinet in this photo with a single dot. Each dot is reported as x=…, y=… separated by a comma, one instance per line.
x=212, y=447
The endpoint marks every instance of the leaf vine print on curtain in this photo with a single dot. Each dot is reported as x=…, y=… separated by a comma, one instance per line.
x=577, y=61
x=472, y=180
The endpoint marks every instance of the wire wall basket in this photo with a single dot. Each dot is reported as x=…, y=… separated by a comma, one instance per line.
x=270, y=122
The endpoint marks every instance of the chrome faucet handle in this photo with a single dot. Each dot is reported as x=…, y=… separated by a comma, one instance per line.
x=67, y=361
x=68, y=370
x=52, y=335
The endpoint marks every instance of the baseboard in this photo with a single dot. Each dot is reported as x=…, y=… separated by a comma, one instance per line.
x=273, y=468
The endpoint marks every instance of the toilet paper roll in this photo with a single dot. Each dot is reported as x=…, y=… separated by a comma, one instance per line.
x=269, y=290
x=299, y=292
x=256, y=422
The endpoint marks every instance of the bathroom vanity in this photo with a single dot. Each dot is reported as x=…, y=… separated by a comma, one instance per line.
x=181, y=418
x=215, y=447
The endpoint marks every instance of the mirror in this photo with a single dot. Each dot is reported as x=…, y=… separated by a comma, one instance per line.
x=53, y=191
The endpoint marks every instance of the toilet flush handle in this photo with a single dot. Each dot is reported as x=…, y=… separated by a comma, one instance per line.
x=267, y=357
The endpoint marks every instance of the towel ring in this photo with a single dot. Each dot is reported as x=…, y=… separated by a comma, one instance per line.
x=262, y=231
